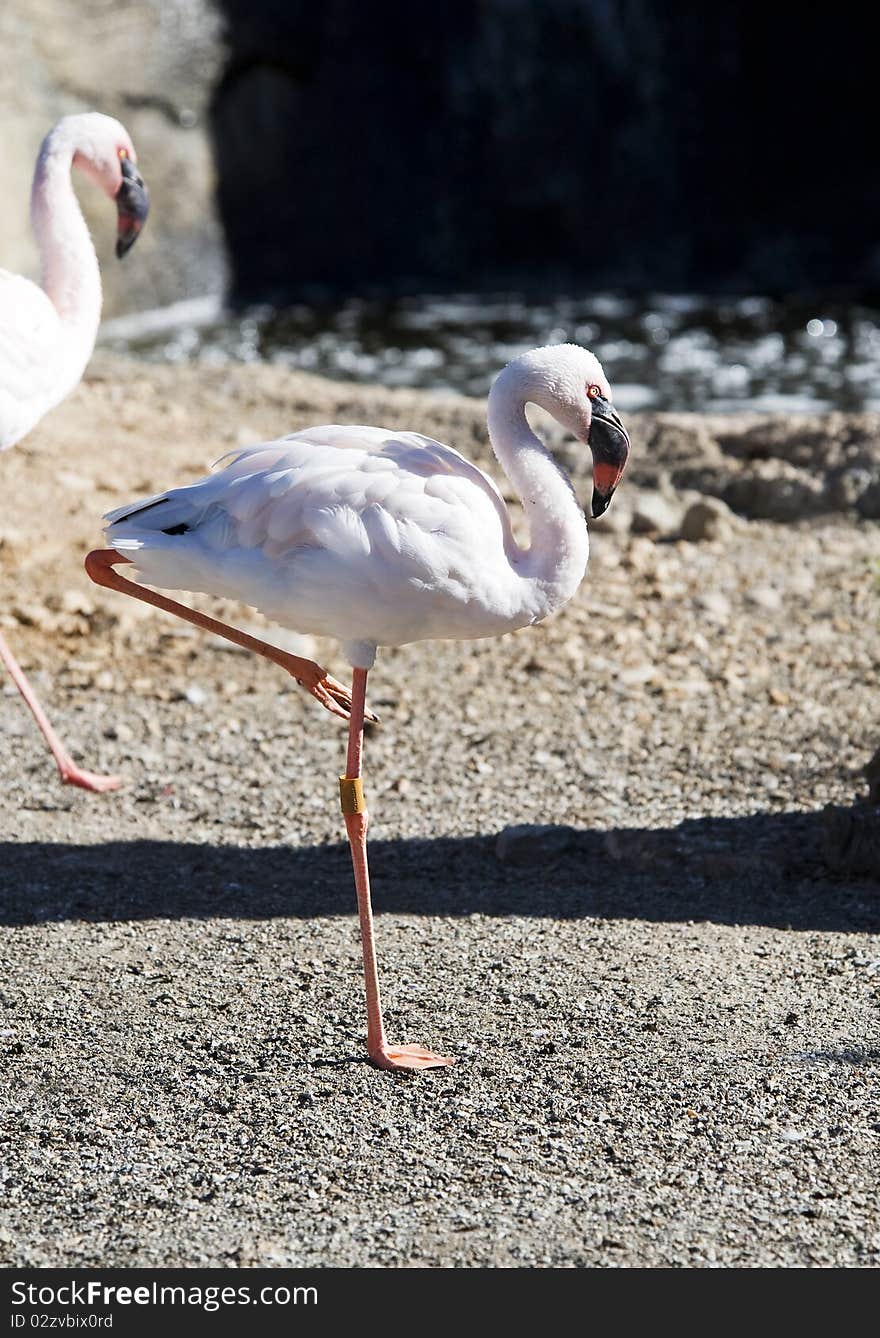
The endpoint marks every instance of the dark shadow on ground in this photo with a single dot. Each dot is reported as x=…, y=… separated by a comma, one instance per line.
x=791, y=870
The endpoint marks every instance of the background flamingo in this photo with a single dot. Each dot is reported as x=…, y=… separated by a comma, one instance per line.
x=47, y=333
x=381, y=538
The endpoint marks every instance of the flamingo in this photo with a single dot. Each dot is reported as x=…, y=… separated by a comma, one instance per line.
x=47, y=333
x=379, y=538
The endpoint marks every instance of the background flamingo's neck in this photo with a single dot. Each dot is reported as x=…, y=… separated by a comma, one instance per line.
x=69, y=267
x=557, y=555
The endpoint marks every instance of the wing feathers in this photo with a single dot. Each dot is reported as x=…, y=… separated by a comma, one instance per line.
x=348, y=491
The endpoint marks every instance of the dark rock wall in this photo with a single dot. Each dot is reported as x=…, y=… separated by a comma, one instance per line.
x=397, y=144
x=394, y=144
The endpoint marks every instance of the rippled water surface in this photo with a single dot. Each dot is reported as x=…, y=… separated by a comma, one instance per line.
x=663, y=352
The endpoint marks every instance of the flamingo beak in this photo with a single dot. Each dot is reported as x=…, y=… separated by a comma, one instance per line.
x=132, y=207
x=609, y=442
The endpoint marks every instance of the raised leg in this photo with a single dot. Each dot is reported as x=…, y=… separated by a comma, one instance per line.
x=69, y=772
x=356, y=821
x=101, y=567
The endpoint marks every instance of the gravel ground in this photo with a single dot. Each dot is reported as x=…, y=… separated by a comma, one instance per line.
x=664, y=1000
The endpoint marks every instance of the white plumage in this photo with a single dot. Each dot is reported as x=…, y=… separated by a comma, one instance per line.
x=37, y=366
x=378, y=537
x=372, y=536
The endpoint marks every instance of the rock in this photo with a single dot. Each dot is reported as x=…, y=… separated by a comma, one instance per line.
x=12, y=538
x=641, y=850
x=635, y=675
x=72, y=482
x=869, y=502
x=654, y=511
x=640, y=556
x=709, y=518
x=785, y=437
x=724, y=865
x=676, y=439
x=532, y=843
x=765, y=597
x=77, y=601
x=772, y=490
x=120, y=731
x=715, y=605
x=847, y=488
x=801, y=582
x=780, y=469
x=851, y=839
x=872, y=773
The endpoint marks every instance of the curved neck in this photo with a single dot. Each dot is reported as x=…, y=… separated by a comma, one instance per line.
x=556, y=558
x=68, y=265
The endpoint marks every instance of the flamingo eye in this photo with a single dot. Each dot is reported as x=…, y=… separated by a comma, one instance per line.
x=594, y=392
x=123, y=153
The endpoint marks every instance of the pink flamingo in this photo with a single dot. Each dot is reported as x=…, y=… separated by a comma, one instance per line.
x=380, y=538
x=47, y=333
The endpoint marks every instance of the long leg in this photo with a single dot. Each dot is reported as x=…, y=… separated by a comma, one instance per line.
x=356, y=821
x=69, y=772
x=101, y=565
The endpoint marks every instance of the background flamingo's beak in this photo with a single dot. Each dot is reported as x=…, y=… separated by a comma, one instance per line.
x=132, y=206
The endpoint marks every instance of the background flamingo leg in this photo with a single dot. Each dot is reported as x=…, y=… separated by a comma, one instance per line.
x=356, y=822
x=68, y=770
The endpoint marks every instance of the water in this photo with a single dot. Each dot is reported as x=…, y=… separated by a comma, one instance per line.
x=660, y=352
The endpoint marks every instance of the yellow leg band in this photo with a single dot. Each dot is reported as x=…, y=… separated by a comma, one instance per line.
x=351, y=795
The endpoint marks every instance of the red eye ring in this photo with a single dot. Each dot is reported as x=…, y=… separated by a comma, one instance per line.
x=594, y=392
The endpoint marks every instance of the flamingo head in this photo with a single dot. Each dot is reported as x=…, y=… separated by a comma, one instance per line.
x=568, y=381
x=104, y=151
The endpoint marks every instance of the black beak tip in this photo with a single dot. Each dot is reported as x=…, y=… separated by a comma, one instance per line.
x=130, y=228
x=601, y=502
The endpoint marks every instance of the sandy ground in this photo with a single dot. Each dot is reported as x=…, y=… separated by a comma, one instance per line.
x=664, y=1005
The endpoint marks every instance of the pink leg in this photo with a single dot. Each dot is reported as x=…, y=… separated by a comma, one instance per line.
x=69, y=772
x=101, y=567
x=356, y=821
